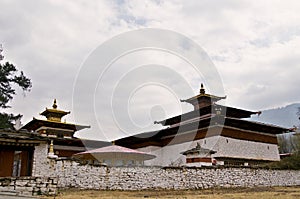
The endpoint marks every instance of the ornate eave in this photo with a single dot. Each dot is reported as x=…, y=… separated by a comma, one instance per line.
x=203, y=96
x=54, y=114
x=35, y=124
x=198, y=129
x=208, y=110
x=20, y=138
x=198, y=149
x=50, y=110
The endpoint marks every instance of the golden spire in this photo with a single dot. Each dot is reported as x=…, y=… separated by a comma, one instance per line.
x=202, y=90
x=54, y=114
x=51, y=150
x=54, y=106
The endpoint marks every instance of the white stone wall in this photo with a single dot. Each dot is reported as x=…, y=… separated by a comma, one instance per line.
x=42, y=165
x=28, y=186
x=71, y=174
x=39, y=159
x=225, y=147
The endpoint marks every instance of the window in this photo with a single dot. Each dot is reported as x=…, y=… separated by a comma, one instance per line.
x=119, y=163
x=130, y=163
x=17, y=164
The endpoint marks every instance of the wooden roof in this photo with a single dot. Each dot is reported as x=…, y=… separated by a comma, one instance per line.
x=198, y=149
x=13, y=137
x=54, y=114
x=243, y=129
x=202, y=95
x=89, y=144
x=34, y=124
x=224, y=110
x=48, y=111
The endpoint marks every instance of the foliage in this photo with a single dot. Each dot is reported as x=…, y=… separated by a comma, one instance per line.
x=292, y=162
x=9, y=78
x=288, y=143
x=7, y=120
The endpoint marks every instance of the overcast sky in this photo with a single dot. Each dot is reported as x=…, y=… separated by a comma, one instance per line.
x=253, y=46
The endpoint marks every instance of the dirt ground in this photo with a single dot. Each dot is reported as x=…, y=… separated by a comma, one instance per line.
x=252, y=193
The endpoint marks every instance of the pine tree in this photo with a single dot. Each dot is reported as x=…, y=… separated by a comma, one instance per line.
x=9, y=77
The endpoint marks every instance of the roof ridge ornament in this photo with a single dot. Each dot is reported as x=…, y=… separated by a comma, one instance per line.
x=202, y=90
x=54, y=106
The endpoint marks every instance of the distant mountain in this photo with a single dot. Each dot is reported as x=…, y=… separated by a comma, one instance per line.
x=284, y=116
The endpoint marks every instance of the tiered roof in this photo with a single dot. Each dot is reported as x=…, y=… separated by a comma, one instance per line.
x=53, y=114
x=203, y=99
x=208, y=119
x=53, y=126
x=209, y=110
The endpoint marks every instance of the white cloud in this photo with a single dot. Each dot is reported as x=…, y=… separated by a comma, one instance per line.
x=255, y=47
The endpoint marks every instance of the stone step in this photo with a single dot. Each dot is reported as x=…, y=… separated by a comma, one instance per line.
x=10, y=193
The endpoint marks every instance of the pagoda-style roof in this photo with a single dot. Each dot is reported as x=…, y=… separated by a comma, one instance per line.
x=35, y=124
x=202, y=99
x=198, y=150
x=229, y=127
x=208, y=111
x=53, y=126
x=54, y=114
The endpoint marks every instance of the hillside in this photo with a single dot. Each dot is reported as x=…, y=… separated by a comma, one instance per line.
x=283, y=116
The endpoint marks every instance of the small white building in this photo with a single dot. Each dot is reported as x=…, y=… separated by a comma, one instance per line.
x=199, y=156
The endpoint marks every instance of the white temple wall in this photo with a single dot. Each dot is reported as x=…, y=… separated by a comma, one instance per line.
x=199, y=164
x=42, y=165
x=167, y=155
x=225, y=147
x=230, y=147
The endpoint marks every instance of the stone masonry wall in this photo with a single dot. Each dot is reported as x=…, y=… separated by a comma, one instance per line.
x=28, y=186
x=42, y=165
x=72, y=174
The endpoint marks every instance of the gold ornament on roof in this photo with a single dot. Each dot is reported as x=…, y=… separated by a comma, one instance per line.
x=51, y=150
x=54, y=106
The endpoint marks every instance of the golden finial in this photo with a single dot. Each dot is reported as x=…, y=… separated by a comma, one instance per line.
x=202, y=90
x=51, y=150
x=54, y=104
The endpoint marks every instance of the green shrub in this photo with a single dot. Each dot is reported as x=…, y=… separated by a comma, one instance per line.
x=292, y=162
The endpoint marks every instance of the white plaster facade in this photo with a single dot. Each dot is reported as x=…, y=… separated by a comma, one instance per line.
x=224, y=147
x=168, y=155
x=41, y=163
